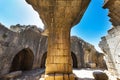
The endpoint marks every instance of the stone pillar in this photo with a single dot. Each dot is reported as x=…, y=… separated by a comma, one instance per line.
x=59, y=63
x=59, y=16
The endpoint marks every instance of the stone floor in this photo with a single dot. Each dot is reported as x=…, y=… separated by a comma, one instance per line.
x=81, y=74
x=87, y=74
x=31, y=75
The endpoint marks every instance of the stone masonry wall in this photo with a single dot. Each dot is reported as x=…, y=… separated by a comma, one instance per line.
x=30, y=38
x=110, y=44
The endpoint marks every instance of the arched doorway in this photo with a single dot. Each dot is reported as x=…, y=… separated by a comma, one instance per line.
x=43, y=60
x=74, y=60
x=23, y=60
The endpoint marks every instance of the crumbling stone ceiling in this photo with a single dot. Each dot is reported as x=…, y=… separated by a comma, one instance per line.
x=114, y=11
x=64, y=10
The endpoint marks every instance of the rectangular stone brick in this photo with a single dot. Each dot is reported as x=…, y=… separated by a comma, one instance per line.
x=68, y=68
x=71, y=77
x=66, y=77
x=61, y=59
x=54, y=68
x=58, y=68
x=59, y=77
x=50, y=60
x=50, y=77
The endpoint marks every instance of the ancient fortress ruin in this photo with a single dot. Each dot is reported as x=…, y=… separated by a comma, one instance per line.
x=110, y=44
x=23, y=48
x=28, y=48
x=59, y=16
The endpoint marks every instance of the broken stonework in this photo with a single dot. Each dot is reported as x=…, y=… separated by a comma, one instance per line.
x=110, y=45
x=30, y=43
x=100, y=75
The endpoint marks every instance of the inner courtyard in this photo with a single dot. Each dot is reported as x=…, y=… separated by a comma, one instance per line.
x=31, y=53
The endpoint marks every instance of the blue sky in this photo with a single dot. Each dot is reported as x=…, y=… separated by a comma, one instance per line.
x=91, y=28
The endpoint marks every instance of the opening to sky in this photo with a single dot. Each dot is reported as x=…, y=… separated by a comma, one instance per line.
x=93, y=25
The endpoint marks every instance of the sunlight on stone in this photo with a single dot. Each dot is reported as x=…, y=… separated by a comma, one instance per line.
x=84, y=73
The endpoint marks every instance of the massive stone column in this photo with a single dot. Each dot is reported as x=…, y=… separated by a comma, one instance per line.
x=59, y=16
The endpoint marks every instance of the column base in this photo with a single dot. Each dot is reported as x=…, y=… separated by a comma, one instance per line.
x=58, y=76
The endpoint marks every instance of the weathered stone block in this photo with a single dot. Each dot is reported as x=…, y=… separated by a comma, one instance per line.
x=71, y=77
x=66, y=77
x=118, y=79
x=50, y=78
x=59, y=77
x=100, y=76
x=58, y=68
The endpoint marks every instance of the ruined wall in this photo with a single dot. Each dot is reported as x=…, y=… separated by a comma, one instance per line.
x=110, y=44
x=26, y=44
x=86, y=54
x=11, y=43
x=114, y=10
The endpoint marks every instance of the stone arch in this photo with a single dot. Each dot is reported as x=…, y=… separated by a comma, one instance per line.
x=23, y=60
x=43, y=60
x=74, y=60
